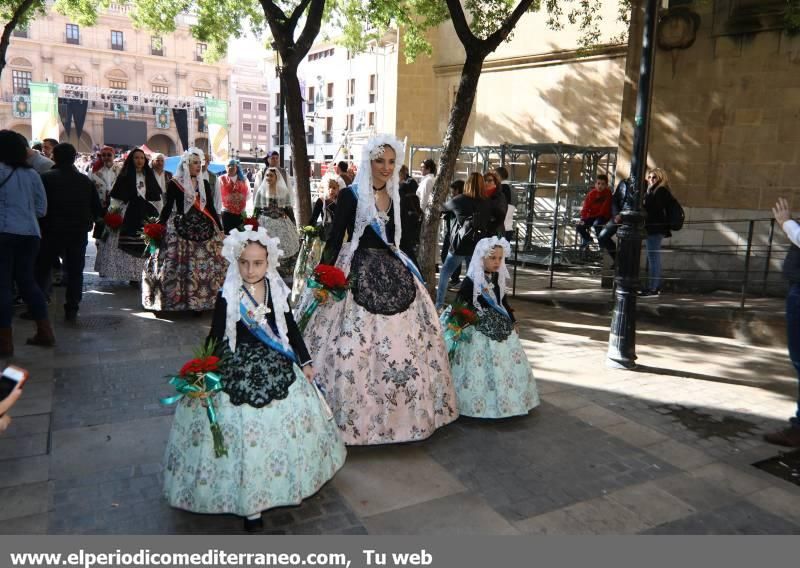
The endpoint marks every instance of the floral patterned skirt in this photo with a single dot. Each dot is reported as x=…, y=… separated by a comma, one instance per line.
x=111, y=262
x=493, y=379
x=387, y=377
x=278, y=455
x=183, y=275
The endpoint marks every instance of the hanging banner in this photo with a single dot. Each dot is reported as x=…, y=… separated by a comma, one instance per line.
x=22, y=106
x=162, y=117
x=217, y=120
x=44, y=111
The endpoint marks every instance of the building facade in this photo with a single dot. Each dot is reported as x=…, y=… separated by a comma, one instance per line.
x=125, y=74
x=251, y=113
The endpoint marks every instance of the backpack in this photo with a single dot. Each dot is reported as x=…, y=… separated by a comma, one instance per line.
x=467, y=234
x=675, y=214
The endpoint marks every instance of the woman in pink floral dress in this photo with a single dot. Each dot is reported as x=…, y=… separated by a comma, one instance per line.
x=379, y=352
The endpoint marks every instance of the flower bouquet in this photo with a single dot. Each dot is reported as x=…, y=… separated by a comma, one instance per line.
x=112, y=221
x=252, y=221
x=310, y=231
x=152, y=235
x=199, y=378
x=459, y=318
x=327, y=282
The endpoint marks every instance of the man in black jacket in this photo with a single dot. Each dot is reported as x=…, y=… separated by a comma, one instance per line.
x=73, y=207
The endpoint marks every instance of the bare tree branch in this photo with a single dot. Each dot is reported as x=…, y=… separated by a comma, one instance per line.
x=9, y=27
x=495, y=39
x=460, y=24
x=310, y=29
x=298, y=12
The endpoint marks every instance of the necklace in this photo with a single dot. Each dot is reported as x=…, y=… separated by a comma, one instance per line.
x=376, y=189
x=259, y=312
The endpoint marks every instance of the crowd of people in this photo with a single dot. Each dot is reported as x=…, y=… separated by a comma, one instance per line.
x=326, y=336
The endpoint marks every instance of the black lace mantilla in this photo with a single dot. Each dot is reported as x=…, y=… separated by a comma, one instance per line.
x=494, y=325
x=257, y=375
x=383, y=284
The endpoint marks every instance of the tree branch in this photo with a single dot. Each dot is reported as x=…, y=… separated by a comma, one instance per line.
x=273, y=13
x=9, y=27
x=310, y=29
x=295, y=17
x=495, y=39
x=460, y=24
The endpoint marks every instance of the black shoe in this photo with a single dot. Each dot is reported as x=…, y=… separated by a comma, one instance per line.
x=789, y=437
x=197, y=314
x=253, y=525
x=70, y=315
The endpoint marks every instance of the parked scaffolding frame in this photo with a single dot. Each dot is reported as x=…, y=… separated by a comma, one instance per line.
x=550, y=181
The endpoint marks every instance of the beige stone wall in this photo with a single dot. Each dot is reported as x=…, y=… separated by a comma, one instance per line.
x=726, y=123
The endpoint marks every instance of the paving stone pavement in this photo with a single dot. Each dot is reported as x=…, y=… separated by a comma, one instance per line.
x=666, y=449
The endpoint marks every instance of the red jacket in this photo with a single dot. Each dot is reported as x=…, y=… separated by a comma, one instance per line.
x=597, y=204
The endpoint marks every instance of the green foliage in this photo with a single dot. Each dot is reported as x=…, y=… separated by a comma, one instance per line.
x=792, y=17
x=9, y=7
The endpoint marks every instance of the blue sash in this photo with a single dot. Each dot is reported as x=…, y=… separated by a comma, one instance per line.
x=262, y=335
x=379, y=230
x=490, y=299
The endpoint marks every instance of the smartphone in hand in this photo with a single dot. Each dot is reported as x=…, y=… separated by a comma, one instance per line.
x=13, y=377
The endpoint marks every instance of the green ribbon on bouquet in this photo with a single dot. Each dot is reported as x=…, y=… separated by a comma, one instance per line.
x=212, y=384
x=338, y=295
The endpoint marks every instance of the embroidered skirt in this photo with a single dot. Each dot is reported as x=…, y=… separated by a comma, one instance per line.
x=387, y=377
x=278, y=455
x=183, y=274
x=493, y=379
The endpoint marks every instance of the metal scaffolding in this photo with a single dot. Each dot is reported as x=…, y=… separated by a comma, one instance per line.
x=549, y=180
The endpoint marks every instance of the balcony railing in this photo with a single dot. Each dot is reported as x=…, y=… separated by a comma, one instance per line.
x=328, y=137
x=20, y=33
x=72, y=39
x=329, y=103
x=159, y=51
x=199, y=57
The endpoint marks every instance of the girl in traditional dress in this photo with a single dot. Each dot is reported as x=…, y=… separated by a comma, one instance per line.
x=490, y=369
x=233, y=189
x=282, y=444
x=187, y=270
x=136, y=194
x=273, y=208
x=379, y=352
x=311, y=249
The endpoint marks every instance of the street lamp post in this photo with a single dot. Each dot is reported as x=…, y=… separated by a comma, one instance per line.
x=622, y=337
x=281, y=103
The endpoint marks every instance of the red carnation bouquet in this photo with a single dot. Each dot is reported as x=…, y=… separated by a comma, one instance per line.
x=327, y=282
x=458, y=318
x=152, y=234
x=199, y=378
x=113, y=219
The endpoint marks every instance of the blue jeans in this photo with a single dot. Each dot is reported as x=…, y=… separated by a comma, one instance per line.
x=597, y=223
x=17, y=257
x=449, y=266
x=793, y=336
x=653, y=244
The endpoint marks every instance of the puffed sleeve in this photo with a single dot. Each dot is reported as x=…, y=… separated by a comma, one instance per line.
x=173, y=193
x=296, y=340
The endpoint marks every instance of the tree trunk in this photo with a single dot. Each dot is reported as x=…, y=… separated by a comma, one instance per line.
x=630, y=90
x=5, y=39
x=293, y=98
x=456, y=127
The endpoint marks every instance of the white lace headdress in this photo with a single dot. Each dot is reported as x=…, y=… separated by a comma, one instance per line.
x=366, y=211
x=282, y=194
x=183, y=177
x=232, y=288
x=475, y=271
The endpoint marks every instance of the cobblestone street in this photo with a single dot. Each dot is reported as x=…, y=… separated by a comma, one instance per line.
x=667, y=449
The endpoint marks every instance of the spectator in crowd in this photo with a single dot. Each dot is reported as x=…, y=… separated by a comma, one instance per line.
x=456, y=188
x=104, y=174
x=472, y=213
x=162, y=177
x=407, y=183
x=790, y=435
x=596, y=210
x=37, y=160
x=47, y=147
x=656, y=200
x=73, y=206
x=341, y=171
x=22, y=203
x=511, y=200
x=274, y=161
x=425, y=187
x=499, y=205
